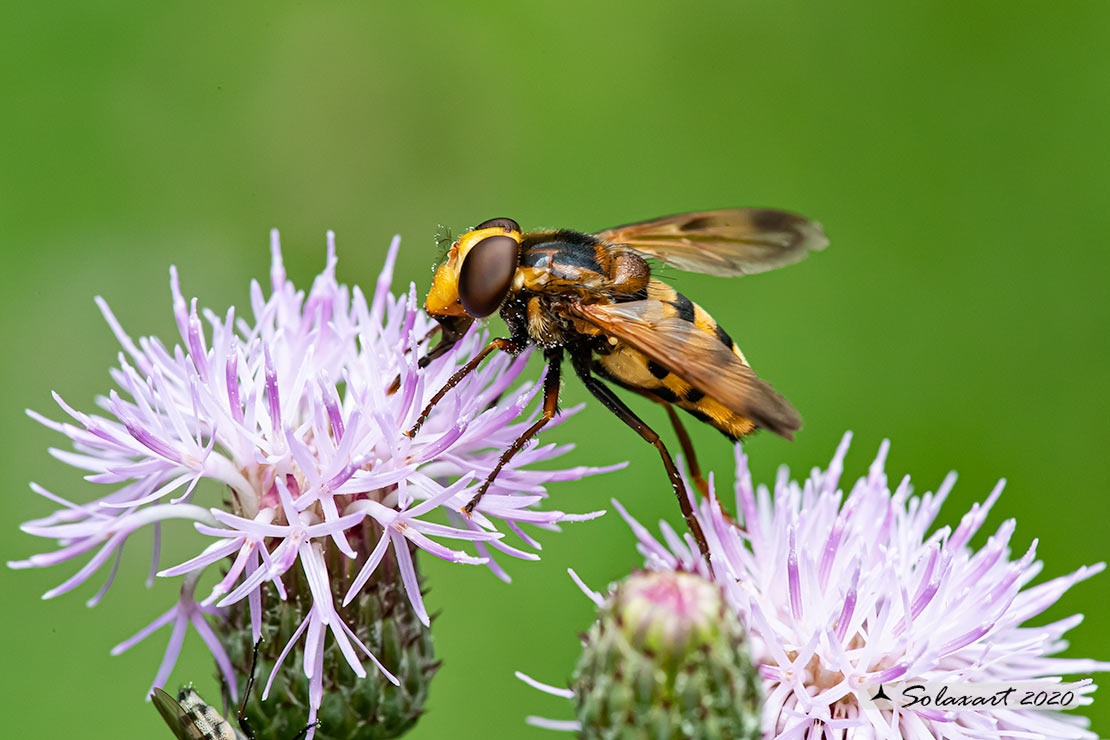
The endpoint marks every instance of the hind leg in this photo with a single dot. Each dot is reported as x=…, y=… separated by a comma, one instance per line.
x=688, y=450
x=611, y=401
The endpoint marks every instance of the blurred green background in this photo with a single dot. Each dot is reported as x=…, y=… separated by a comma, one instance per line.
x=956, y=153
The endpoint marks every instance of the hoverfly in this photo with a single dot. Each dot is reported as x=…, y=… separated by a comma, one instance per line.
x=191, y=718
x=593, y=298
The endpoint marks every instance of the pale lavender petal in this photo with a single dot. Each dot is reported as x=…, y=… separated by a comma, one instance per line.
x=124, y=340
x=793, y=577
x=408, y=577
x=312, y=562
x=216, y=551
x=156, y=553
x=385, y=278
x=170, y=487
x=645, y=538
x=492, y=564
x=544, y=687
x=328, y=528
x=53, y=558
x=145, y=632
x=89, y=568
x=255, y=599
x=592, y=595
x=285, y=652
x=442, y=497
x=173, y=650
x=584, y=517
x=247, y=550
x=255, y=579
x=368, y=568
x=270, y=567
x=273, y=397
x=108, y=581
x=442, y=530
x=217, y=650
x=354, y=638
x=528, y=539
x=313, y=645
x=434, y=548
x=559, y=725
x=509, y=550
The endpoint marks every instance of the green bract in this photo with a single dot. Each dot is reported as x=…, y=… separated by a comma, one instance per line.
x=353, y=708
x=666, y=659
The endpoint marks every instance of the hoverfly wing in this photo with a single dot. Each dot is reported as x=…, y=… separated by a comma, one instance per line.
x=697, y=357
x=184, y=728
x=727, y=242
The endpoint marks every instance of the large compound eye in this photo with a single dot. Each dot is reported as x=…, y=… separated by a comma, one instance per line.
x=487, y=273
x=501, y=223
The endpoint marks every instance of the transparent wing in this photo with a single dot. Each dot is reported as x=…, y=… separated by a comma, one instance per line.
x=728, y=242
x=697, y=357
x=172, y=712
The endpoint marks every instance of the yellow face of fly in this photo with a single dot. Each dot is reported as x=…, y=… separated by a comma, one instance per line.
x=443, y=298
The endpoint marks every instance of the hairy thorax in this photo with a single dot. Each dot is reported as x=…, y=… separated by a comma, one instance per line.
x=562, y=268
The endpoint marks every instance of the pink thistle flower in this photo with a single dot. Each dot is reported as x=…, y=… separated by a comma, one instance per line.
x=291, y=411
x=841, y=593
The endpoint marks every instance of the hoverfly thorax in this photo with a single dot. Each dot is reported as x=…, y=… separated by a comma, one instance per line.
x=478, y=273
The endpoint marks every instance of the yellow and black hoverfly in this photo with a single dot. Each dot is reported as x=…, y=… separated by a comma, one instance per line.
x=191, y=718
x=593, y=297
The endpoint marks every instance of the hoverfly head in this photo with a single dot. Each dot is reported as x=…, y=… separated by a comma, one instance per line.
x=477, y=275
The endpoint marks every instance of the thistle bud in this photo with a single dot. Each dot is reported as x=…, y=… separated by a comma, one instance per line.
x=667, y=658
x=352, y=708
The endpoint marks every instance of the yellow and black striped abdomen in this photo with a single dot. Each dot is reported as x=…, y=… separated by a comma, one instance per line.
x=630, y=368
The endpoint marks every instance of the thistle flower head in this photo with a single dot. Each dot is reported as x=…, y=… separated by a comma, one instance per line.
x=842, y=592
x=293, y=410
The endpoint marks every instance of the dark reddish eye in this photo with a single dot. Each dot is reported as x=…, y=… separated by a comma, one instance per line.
x=486, y=274
x=502, y=223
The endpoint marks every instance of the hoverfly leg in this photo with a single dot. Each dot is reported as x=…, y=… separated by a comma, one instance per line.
x=451, y=329
x=611, y=401
x=692, y=461
x=550, y=408
x=431, y=333
x=244, y=723
x=688, y=451
x=300, y=735
x=433, y=353
x=505, y=345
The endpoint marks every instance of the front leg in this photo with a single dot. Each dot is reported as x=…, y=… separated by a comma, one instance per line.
x=452, y=329
x=444, y=346
x=505, y=345
x=550, y=407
